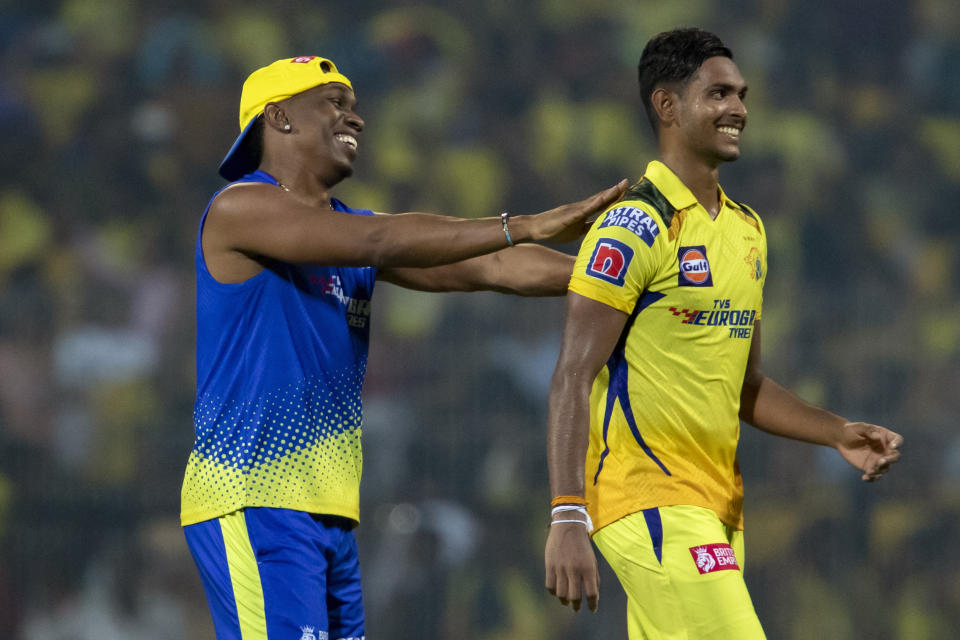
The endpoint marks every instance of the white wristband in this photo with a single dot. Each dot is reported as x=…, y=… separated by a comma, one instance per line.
x=587, y=522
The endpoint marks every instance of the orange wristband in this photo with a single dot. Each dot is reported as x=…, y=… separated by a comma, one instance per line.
x=568, y=500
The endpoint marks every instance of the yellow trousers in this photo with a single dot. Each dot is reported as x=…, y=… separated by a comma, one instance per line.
x=681, y=568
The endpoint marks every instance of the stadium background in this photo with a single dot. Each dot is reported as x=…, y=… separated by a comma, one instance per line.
x=113, y=117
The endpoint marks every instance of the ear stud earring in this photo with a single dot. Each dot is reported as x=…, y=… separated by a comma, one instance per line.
x=286, y=127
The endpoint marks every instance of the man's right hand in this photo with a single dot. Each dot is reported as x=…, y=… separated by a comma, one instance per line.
x=570, y=561
x=568, y=222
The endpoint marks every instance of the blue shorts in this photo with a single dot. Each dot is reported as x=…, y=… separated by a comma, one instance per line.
x=278, y=574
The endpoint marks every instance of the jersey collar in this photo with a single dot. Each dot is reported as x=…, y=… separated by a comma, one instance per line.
x=674, y=190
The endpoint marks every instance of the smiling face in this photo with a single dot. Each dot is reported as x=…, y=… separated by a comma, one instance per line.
x=325, y=129
x=710, y=115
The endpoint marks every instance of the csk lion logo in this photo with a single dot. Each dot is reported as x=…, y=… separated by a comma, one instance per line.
x=705, y=561
x=753, y=261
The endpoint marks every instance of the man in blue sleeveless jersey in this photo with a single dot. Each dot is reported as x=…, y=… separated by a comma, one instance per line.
x=285, y=275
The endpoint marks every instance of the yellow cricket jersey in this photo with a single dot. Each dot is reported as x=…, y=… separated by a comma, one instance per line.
x=664, y=410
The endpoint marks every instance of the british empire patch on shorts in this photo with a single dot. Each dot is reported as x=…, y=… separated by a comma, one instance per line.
x=714, y=557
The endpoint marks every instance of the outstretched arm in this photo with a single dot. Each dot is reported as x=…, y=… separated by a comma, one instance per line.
x=769, y=407
x=255, y=221
x=528, y=270
x=591, y=333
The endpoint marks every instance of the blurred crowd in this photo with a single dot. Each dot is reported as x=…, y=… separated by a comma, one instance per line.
x=114, y=116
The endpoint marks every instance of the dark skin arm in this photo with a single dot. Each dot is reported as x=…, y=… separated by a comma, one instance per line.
x=590, y=335
x=248, y=222
x=771, y=408
x=528, y=270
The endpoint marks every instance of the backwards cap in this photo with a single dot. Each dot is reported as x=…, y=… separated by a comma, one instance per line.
x=275, y=82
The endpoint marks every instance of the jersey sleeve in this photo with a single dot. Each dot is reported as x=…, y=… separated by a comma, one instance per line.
x=619, y=256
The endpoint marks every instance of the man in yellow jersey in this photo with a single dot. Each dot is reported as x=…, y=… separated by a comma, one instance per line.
x=660, y=362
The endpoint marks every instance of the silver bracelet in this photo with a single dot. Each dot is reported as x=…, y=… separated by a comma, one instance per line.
x=503, y=223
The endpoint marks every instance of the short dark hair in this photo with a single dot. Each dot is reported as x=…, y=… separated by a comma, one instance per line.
x=673, y=57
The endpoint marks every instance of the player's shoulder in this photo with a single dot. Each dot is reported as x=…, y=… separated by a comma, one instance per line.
x=644, y=193
x=644, y=210
x=243, y=202
x=746, y=209
x=747, y=214
x=238, y=193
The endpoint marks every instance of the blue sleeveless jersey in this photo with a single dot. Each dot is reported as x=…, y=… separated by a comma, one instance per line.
x=280, y=365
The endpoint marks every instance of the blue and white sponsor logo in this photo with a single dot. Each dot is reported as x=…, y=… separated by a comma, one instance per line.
x=635, y=220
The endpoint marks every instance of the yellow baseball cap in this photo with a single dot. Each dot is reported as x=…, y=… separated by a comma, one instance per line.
x=275, y=82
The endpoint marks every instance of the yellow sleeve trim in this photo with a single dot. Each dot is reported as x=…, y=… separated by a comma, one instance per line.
x=589, y=290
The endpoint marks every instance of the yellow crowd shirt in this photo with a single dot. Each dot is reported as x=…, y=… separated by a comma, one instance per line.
x=664, y=410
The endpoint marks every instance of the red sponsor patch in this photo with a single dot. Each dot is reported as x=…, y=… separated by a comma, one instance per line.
x=610, y=260
x=302, y=59
x=714, y=557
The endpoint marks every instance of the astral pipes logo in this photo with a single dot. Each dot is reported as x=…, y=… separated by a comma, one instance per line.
x=694, y=267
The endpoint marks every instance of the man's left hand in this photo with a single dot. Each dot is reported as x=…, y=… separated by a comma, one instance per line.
x=870, y=448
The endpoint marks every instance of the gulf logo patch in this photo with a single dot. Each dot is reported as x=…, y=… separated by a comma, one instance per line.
x=694, y=267
x=714, y=557
x=609, y=261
